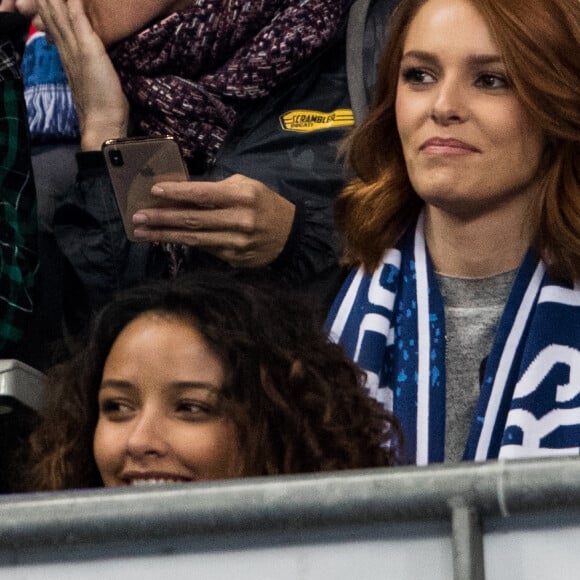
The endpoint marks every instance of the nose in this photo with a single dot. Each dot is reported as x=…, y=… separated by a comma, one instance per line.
x=146, y=436
x=450, y=104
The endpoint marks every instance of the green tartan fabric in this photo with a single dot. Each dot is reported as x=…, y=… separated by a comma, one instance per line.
x=18, y=225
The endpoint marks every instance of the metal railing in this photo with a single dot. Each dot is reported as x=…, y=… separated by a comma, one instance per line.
x=463, y=495
x=99, y=524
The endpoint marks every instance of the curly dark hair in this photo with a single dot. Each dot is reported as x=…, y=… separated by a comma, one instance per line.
x=299, y=404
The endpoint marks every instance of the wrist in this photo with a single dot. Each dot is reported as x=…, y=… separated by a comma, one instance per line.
x=93, y=138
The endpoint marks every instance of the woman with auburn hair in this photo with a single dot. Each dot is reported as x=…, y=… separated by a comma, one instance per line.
x=464, y=220
x=203, y=379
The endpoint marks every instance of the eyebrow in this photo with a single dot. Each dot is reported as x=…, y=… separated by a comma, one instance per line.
x=472, y=59
x=178, y=385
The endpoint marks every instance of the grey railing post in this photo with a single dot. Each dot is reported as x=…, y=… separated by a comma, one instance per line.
x=466, y=541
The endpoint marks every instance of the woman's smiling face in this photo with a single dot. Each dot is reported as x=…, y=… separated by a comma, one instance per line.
x=160, y=415
x=468, y=144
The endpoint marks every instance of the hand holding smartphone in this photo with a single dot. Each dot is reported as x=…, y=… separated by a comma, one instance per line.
x=135, y=165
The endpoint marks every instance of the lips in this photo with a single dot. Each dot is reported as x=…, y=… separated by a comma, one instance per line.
x=446, y=145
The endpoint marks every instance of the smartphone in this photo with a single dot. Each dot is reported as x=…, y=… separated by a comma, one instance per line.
x=135, y=164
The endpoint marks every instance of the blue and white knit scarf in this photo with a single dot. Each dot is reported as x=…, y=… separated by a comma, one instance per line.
x=392, y=323
x=52, y=116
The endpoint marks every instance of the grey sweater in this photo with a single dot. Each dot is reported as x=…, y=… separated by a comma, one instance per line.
x=472, y=311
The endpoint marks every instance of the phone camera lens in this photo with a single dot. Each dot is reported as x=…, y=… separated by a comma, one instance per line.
x=116, y=157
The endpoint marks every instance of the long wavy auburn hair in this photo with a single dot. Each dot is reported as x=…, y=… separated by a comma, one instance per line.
x=299, y=404
x=540, y=43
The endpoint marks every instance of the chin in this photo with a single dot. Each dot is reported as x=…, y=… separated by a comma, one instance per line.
x=442, y=196
x=445, y=185
x=454, y=202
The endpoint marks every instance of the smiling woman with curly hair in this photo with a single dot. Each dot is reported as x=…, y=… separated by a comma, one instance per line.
x=201, y=379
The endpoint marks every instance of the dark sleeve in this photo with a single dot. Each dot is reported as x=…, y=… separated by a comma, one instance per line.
x=313, y=244
x=291, y=143
x=309, y=261
x=18, y=226
x=89, y=231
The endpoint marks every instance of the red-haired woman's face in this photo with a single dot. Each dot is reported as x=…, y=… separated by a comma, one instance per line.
x=159, y=408
x=468, y=144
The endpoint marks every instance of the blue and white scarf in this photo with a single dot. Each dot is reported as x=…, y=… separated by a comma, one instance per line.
x=52, y=116
x=392, y=323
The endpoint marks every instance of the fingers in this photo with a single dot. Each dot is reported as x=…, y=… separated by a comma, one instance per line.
x=67, y=24
x=45, y=10
x=78, y=18
x=235, y=191
x=7, y=6
x=56, y=19
x=240, y=220
x=195, y=220
x=228, y=205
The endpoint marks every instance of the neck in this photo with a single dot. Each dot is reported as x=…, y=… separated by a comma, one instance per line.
x=477, y=246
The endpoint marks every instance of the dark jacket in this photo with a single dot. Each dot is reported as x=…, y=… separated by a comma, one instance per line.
x=18, y=254
x=286, y=141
